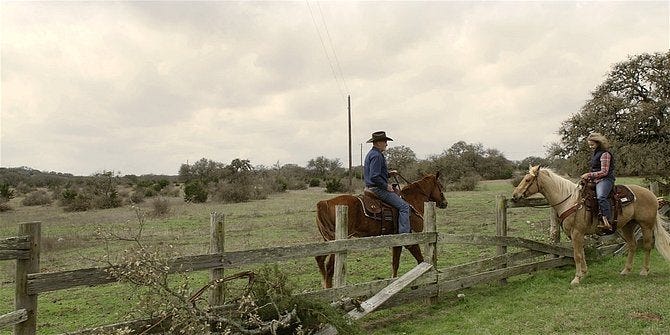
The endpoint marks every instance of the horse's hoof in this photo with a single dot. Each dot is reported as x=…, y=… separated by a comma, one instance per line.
x=625, y=272
x=644, y=272
x=575, y=282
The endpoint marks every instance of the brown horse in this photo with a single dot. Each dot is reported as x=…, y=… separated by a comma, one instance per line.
x=564, y=196
x=359, y=225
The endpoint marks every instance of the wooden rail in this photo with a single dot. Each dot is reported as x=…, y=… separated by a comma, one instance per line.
x=53, y=281
x=428, y=283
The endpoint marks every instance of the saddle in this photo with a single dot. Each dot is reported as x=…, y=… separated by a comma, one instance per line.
x=619, y=197
x=375, y=209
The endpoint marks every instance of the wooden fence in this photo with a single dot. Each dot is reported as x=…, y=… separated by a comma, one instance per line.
x=535, y=256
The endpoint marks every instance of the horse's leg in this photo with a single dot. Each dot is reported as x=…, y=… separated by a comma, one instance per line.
x=330, y=270
x=415, y=250
x=627, y=233
x=578, y=254
x=321, y=263
x=647, y=245
x=395, y=262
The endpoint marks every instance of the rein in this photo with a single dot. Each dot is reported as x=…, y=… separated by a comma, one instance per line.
x=424, y=193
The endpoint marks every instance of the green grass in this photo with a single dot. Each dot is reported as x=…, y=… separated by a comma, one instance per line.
x=541, y=303
x=544, y=303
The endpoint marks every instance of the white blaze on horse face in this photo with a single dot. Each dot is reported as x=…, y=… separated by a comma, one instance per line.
x=522, y=188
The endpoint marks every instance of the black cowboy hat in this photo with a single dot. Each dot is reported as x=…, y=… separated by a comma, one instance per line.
x=379, y=136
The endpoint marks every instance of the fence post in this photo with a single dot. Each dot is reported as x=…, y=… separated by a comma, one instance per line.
x=23, y=300
x=217, y=242
x=341, y=233
x=430, y=226
x=501, y=227
x=653, y=186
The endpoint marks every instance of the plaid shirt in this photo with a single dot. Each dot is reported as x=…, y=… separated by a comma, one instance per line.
x=605, y=159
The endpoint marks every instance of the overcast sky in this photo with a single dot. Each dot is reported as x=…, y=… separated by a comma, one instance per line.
x=143, y=87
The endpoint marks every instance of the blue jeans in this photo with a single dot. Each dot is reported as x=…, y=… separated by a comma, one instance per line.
x=603, y=189
x=396, y=201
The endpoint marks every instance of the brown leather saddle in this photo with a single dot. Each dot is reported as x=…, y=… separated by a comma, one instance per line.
x=375, y=209
x=619, y=197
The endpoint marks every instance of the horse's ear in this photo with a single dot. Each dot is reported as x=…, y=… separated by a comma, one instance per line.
x=533, y=170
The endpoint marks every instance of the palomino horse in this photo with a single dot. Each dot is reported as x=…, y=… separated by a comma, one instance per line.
x=359, y=225
x=564, y=196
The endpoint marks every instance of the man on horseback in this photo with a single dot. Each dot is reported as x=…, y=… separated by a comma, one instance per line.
x=376, y=175
x=602, y=173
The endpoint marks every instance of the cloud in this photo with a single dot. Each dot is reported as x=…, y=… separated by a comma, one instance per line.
x=142, y=87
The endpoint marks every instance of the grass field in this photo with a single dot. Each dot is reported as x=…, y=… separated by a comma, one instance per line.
x=540, y=303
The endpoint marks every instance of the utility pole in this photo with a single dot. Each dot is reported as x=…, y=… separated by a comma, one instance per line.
x=350, y=169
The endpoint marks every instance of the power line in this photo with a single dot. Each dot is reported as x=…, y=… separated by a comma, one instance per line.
x=332, y=46
x=325, y=50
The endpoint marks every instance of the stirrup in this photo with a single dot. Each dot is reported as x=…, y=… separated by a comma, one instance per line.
x=605, y=224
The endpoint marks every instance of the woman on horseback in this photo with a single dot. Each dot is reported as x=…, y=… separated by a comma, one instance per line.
x=602, y=174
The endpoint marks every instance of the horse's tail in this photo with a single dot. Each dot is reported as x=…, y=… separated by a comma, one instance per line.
x=662, y=238
x=325, y=221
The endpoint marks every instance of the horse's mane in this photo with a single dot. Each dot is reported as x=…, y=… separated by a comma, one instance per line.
x=415, y=184
x=560, y=184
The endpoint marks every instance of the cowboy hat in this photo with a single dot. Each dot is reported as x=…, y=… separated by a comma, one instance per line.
x=379, y=136
x=598, y=137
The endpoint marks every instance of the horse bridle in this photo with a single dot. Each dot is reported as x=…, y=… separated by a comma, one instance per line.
x=539, y=188
x=561, y=216
x=426, y=194
x=535, y=180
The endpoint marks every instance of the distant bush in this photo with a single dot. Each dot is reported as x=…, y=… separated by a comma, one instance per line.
x=289, y=183
x=314, y=182
x=195, y=191
x=232, y=192
x=171, y=191
x=102, y=201
x=280, y=185
x=80, y=203
x=335, y=186
x=67, y=195
x=23, y=188
x=137, y=197
x=6, y=192
x=4, y=205
x=37, y=198
x=465, y=183
x=161, y=207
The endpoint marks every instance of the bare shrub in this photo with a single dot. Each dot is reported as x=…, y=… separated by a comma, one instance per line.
x=161, y=207
x=23, y=188
x=171, y=191
x=37, y=198
x=263, y=304
x=137, y=197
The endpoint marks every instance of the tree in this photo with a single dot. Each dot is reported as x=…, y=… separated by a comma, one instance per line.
x=205, y=170
x=322, y=167
x=400, y=158
x=532, y=160
x=632, y=108
x=494, y=165
x=465, y=163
